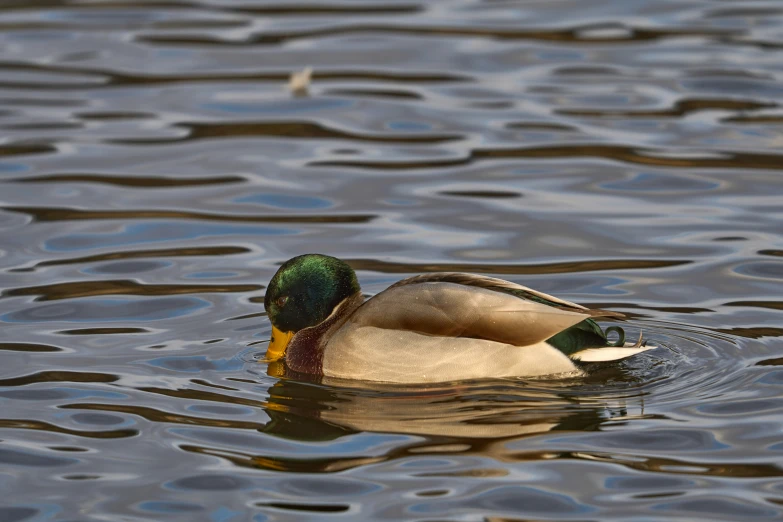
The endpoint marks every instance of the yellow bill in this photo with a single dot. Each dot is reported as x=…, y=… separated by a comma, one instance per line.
x=278, y=344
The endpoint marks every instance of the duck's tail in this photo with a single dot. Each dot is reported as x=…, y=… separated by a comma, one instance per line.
x=612, y=352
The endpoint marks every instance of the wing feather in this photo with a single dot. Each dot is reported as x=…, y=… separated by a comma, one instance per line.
x=456, y=310
x=506, y=287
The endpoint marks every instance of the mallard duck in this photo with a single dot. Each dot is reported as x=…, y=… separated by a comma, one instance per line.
x=435, y=327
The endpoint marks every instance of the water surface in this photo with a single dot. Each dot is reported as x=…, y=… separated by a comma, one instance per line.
x=154, y=172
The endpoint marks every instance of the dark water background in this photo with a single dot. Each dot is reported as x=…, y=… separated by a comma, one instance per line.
x=154, y=172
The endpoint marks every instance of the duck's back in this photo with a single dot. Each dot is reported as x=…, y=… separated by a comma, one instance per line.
x=435, y=331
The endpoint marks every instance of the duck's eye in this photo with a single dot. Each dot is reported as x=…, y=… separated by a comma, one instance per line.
x=281, y=301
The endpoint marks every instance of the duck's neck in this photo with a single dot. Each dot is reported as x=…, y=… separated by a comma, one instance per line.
x=305, y=352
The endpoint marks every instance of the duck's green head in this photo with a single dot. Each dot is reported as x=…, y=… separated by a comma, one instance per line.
x=303, y=293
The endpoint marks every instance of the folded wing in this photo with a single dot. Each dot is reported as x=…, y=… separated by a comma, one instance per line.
x=457, y=310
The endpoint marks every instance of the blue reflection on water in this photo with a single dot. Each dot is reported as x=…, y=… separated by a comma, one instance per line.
x=88, y=393
x=223, y=514
x=162, y=506
x=196, y=364
x=281, y=106
x=107, y=310
x=13, y=167
x=409, y=126
x=656, y=181
x=210, y=275
x=55, y=394
x=126, y=267
x=285, y=201
x=21, y=512
x=156, y=232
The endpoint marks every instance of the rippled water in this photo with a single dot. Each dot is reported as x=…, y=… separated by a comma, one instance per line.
x=154, y=172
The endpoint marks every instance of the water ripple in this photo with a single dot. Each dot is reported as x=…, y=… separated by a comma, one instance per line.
x=155, y=171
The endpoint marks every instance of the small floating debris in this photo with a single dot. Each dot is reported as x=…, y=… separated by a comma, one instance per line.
x=606, y=32
x=299, y=83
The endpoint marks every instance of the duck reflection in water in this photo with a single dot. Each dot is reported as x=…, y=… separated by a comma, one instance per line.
x=307, y=408
x=478, y=418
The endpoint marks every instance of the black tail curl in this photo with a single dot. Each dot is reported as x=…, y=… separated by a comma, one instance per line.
x=620, y=336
